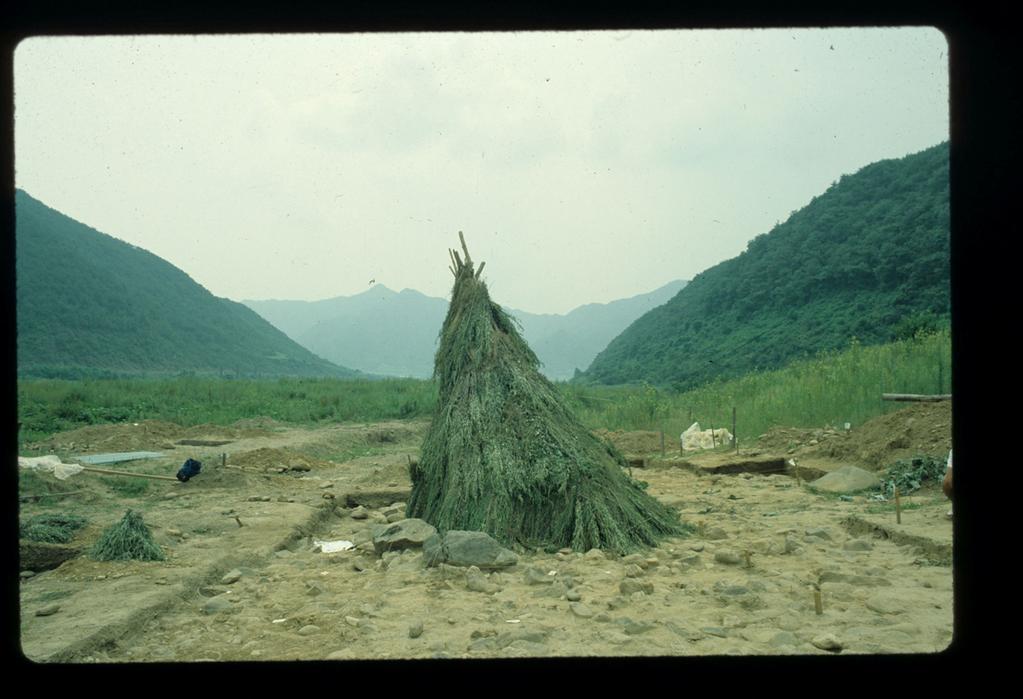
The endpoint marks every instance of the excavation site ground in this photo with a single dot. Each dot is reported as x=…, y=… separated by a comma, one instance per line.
x=774, y=567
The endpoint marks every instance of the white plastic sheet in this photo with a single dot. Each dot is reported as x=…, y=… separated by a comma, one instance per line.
x=50, y=464
x=334, y=546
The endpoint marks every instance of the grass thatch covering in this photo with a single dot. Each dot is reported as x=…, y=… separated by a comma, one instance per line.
x=128, y=540
x=504, y=455
x=51, y=528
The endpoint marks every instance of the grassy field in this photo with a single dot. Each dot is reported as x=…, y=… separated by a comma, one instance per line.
x=831, y=389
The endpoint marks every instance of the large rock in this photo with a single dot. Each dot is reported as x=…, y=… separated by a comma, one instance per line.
x=465, y=549
x=848, y=479
x=403, y=534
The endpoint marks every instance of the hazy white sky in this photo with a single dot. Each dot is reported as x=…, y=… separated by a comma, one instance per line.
x=582, y=166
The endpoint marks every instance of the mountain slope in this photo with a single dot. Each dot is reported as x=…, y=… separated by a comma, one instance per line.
x=87, y=302
x=381, y=331
x=869, y=259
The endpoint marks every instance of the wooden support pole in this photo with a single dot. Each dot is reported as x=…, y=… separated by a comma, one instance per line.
x=461, y=238
x=915, y=397
x=898, y=507
x=662, y=444
x=109, y=472
x=818, y=605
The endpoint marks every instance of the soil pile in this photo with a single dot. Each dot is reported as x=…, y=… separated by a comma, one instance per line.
x=923, y=428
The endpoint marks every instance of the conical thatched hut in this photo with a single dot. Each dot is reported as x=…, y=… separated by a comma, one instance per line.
x=504, y=455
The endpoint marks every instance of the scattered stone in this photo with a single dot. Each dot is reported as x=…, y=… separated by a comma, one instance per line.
x=477, y=581
x=858, y=545
x=633, y=571
x=819, y=532
x=309, y=630
x=846, y=480
x=535, y=576
x=352, y=621
x=573, y=596
x=715, y=631
x=883, y=605
x=827, y=642
x=218, y=604
x=26, y=574
x=299, y=466
x=314, y=587
x=783, y=638
x=231, y=577
x=634, y=628
x=283, y=553
x=360, y=512
x=361, y=564
x=861, y=580
x=698, y=546
x=415, y=629
x=580, y=610
x=715, y=534
x=259, y=498
x=631, y=585
x=595, y=555
x=791, y=545
x=48, y=610
x=617, y=602
x=728, y=557
x=338, y=655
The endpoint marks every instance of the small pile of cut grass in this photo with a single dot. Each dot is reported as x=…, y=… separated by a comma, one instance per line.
x=51, y=528
x=128, y=540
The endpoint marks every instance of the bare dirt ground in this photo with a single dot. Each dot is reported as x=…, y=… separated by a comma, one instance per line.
x=244, y=581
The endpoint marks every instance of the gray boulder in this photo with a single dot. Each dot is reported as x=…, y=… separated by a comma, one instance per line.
x=465, y=549
x=848, y=479
x=403, y=534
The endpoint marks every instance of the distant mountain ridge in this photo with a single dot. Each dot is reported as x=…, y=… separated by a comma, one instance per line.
x=867, y=259
x=88, y=303
x=385, y=332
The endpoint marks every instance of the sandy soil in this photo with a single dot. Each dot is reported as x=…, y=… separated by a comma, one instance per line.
x=745, y=583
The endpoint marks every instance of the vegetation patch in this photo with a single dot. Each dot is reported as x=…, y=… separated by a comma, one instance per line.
x=128, y=540
x=51, y=528
x=909, y=475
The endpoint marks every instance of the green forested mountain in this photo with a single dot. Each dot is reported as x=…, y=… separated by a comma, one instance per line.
x=869, y=259
x=90, y=304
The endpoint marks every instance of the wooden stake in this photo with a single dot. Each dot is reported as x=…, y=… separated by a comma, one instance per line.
x=898, y=507
x=236, y=519
x=818, y=606
x=735, y=440
x=662, y=443
x=223, y=459
x=479, y=270
x=795, y=465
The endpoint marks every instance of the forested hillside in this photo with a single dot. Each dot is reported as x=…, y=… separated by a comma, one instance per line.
x=868, y=258
x=89, y=304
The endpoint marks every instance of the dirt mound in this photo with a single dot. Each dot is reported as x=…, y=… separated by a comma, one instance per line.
x=235, y=431
x=271, y=459
x=638, y=442
x=124, y=436
x=923, y=428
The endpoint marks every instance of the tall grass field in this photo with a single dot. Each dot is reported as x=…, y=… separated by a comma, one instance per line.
x=831, y=389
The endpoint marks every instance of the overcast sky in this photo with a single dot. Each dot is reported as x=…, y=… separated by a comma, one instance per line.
x=582, y=166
